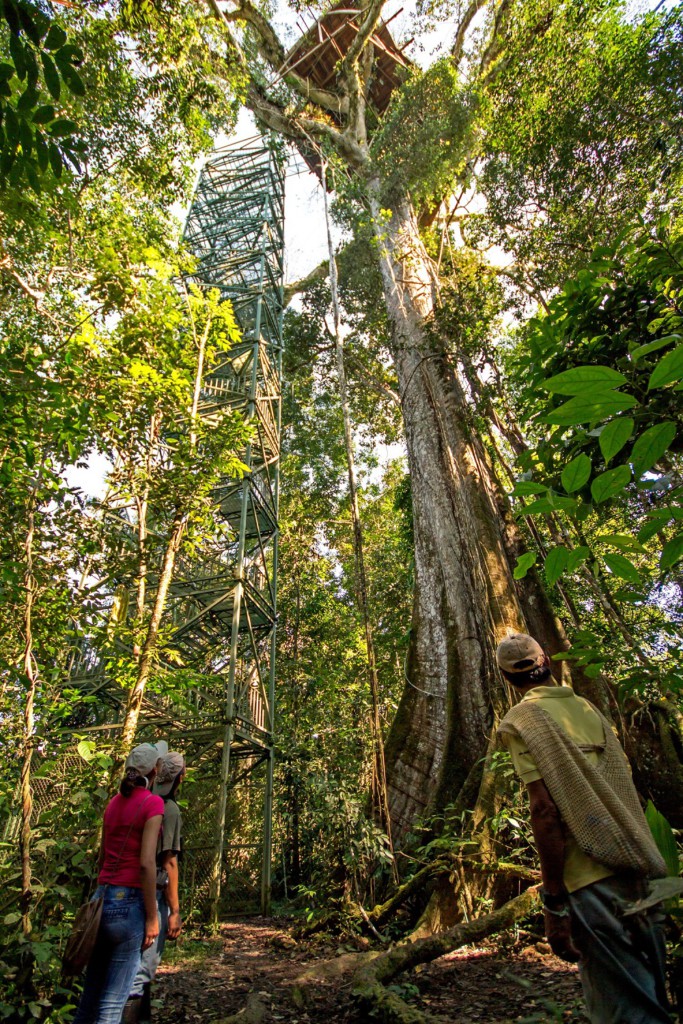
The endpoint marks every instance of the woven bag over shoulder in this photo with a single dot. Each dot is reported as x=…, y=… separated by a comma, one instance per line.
x=83, y=937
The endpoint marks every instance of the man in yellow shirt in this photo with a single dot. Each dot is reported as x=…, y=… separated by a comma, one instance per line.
x=586, y=901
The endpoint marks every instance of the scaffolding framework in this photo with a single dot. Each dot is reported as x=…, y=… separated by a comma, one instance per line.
x=221, y=612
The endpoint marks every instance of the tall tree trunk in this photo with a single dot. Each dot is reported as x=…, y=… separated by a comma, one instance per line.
x=466, y=599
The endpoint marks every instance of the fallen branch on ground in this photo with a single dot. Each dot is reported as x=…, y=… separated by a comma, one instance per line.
x=371, y=977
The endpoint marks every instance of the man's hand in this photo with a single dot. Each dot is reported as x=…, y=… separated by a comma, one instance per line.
x=175, y=924
x=558, y=931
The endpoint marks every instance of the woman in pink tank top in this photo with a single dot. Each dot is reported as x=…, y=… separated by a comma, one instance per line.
x=127, y=882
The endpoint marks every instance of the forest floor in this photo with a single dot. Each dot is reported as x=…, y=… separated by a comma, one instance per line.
x=498, y=983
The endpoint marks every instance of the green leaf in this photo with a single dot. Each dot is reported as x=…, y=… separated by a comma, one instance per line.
x=583, y=379
x=11, y=16
x=44, y=114
x=55, y=38
x=11, y=918
x=653, y=346
x=69, y=54
x=610, y=483
x=622, y=541
x=672, y=552
x=526, y=487
x=27, y=100
x=663, y=837
x=26, y=138
x=86, y=748
x=668, y=369
x=33, y=178
x=622, y=567
x=577, y=473
x=18, y=55
x=41, y=151
x=585, y=408
x=11, y=127
x=32, y=21
x=651, y=445
x=63, y=127
x=524, y=563
x=614, y=436
x=55, y=160
x=576, y=557
x=52, y=80
x=72, y=79
x=6, y=71
x=555, y=564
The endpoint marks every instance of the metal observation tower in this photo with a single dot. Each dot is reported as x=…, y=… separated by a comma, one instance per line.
x=220, y=616
x=235, y=229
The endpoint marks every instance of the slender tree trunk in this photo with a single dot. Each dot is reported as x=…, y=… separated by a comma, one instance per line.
x=380, y=797
x=148, y=652
x=31, y=676
x=149, y=648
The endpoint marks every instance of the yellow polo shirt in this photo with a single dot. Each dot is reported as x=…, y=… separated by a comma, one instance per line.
x=577, y=718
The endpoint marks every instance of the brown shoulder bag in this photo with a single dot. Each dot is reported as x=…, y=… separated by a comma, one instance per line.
x=81, y=942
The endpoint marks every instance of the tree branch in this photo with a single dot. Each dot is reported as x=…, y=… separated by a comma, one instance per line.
x=465, y=22
x=296, y=287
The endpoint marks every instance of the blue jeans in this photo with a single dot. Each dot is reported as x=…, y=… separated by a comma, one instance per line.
x=151, y=958
x=116, y=957
x=622, y=968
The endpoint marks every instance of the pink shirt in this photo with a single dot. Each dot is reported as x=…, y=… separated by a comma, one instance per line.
x=121, y=813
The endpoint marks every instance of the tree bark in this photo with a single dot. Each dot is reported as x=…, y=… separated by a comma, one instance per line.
x=466, y=599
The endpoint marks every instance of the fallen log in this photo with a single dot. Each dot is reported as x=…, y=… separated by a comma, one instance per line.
x=370, y=978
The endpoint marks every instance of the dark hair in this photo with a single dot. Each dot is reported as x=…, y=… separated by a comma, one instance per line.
x=538, y=674
x=130, y=781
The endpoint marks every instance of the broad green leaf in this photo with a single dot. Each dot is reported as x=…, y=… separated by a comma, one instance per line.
x=622, y=567
x=585, y=408
x=525, y=487
x=668, y=369
x=672, y=552
x=55, y=38
x=614, y=436
x=556, y=562
x=577, y=473
x=583, y=379
x=663, y=837
x=524, y=563
x=44, y=114
x=63, y=127
x=653, y=346
x=622, y=541
x=86, y=748
x=611, y=482
x=651, y=445
x=576, y=557
x=648, y=531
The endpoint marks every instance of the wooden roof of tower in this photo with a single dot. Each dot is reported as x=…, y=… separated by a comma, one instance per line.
x=317, y=53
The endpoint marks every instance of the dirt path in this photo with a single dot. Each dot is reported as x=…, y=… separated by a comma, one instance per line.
x=209, y=979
